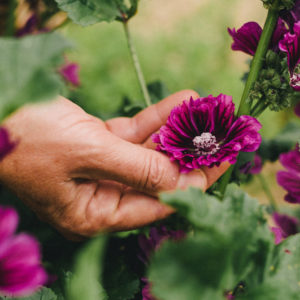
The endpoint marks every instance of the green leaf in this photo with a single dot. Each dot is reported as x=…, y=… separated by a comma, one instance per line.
x=85, y=284
x=42, y=294
x=197, y=268
x=88, y=12
x=27, y=69
x=282, y=280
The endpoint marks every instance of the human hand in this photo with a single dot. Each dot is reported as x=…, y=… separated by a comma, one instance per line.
x=86, y=176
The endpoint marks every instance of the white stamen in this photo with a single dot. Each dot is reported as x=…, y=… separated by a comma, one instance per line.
x=205, y=144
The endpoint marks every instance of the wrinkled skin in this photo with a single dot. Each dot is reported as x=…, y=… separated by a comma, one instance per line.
x=86, y=176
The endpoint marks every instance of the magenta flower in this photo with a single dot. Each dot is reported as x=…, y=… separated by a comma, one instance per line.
x=290, y=44
x=290, y=179
x=156, y=237
x=286, y=226
x=6, y=145
x=247, y=37
x=20, y=270
x=291, y=16
x=205, y=132
x=149, y=245
x=70, y=73
x=252, y=167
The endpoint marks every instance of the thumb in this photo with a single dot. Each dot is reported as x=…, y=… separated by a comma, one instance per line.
x=147, y=170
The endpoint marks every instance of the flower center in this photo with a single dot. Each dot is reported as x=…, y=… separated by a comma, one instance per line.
x=205, y=144
x=295, y=80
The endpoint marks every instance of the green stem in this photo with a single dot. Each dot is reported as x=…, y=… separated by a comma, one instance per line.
x=268, y=192
x=258, y=59
x=10, y=21
x=256, y=65
x=137, y=65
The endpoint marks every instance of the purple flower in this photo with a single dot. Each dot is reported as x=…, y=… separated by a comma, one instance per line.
x=205, y=132
x=286, y=226
x=156, y=237
x=290, y=44
x=146, y=290
x=29, y=27
x=253, y=167
x=20, y=271
x=70, y=73
x=247, y=37
x=149, y=245
x=278, y=234
x=6, y=145
x=290, y=179
x=291, y=16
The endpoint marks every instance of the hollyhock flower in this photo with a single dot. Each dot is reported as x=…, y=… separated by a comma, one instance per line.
x=156, y=237
x=290, y=179
x=146, y=290
x=70, y=73
x=291, y=16
x=253, y=167
x=290, y=44
x=6, y=145
x=20, y=270
x=205, y=132
x=247, y=37
x=286, y=226
x=149, y=245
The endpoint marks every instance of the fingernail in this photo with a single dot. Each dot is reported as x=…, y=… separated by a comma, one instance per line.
x=194, y=178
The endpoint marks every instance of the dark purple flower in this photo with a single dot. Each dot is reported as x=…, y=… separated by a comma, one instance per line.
x=291, y=16
x=290, y=44
x=149, y=245
x=253, y=167
x=29, y=27
x=146, y=290
x=205, y=132
x=297, y=109
x=6, y=145
x=70, y=73
x=290, y=179
x=288, y=225
x=247, y=37
x=155, y=239
x=20, y=270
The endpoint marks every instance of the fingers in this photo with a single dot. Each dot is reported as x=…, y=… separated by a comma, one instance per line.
x=141, y=126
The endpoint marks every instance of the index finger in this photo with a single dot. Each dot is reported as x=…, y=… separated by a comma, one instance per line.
x=149, y=120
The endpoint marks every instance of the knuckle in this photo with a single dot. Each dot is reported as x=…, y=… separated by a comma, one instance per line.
x=153, y=174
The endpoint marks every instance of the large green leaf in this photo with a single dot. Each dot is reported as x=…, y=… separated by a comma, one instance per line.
x=85, y=281
x=231, y=234
x=196, y=269
x=88, y=12
x=27, y=69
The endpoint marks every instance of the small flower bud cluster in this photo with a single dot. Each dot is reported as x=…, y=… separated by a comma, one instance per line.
x=283, y=4
x=272, y=89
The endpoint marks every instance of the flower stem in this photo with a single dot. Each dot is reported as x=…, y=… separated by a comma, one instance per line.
x=268, y=192
x=256, y=65
x=258, y=59
x=137, y=65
